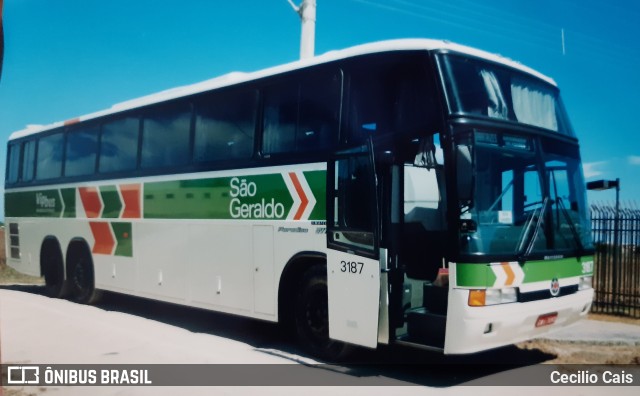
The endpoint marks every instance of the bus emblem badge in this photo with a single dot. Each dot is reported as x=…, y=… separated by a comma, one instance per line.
x=555, y=287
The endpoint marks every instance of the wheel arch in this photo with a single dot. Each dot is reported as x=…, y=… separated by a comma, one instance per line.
x=289, y=282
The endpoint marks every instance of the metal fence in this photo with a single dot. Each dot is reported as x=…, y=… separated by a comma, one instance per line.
x=616, y=280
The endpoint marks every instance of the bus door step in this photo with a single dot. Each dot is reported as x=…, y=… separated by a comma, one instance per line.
x=426, y=328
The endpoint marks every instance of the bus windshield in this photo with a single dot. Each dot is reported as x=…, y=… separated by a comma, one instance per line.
x=481, y=88
x=528, y=198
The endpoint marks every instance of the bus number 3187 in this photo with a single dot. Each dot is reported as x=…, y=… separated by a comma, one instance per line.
x=352, y=267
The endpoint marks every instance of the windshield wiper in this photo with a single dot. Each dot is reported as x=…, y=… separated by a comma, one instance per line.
x=528, y=238
x=572, y=227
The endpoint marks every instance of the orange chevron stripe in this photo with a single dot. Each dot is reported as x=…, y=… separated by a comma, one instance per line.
x=131, y=197
x=90, y=201
x=104, y=241
x=511, y=276
x=303, y=197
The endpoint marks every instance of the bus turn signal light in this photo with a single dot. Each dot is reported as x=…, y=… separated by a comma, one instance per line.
x=477, y=298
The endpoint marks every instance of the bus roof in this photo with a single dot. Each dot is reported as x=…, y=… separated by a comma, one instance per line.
x=239, y=77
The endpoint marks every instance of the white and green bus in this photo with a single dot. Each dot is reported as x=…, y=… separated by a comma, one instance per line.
x=415, y=192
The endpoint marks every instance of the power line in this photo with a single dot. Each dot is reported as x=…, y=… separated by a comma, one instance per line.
x=495, y=22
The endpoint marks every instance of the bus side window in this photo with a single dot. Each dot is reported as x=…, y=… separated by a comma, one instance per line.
x=225, y=126
x=390, y=96
x=13, y=163
x=50, y=151
x=82, y=149
x=280, y=118
x=28, y=160
x=302, y=116
x=119, y=145
x=165, y=136
x=319, y=113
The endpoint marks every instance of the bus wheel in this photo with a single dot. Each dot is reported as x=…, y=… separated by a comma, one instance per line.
x=81, y=275
x=312, y=317
x=53, y=269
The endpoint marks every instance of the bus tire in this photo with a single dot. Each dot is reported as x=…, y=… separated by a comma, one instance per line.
x=81, y=275
x=52, y=268
x=312, y=317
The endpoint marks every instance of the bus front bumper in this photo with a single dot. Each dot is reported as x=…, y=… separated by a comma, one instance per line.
x=473, y=329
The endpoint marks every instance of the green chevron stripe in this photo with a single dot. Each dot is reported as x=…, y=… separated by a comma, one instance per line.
x=317, y=181
x=111, y=201
x=124, y=239
x=69, y=198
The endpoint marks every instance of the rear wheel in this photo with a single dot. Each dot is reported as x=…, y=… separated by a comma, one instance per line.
x=52, y=266
x=81, y=275
x=312, y=317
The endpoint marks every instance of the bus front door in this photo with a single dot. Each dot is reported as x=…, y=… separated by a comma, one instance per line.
x=353, y=269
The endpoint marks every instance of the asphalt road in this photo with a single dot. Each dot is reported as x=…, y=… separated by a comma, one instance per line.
x=35, y=329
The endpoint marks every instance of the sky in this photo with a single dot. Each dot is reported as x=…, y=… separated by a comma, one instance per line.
x=68, y=58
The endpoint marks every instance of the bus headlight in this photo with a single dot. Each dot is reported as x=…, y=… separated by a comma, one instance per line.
x=483, y=297
x=586, y=282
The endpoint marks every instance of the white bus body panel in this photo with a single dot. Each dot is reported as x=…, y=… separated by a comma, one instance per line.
x=226, y=265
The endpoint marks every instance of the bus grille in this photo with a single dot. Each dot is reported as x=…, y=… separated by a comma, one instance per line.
x=545, y=294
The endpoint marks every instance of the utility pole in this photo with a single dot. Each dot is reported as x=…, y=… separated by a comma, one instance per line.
x=307, y=13
x=1, y=38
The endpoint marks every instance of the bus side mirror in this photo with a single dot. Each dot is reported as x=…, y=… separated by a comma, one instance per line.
x=465, y=179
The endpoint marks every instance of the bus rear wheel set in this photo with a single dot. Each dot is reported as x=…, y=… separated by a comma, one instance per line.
x=79, y=283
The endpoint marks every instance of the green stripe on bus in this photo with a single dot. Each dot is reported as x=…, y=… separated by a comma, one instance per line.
x=318, y=183
x=42, y=203
x=69, y=198
x=124, y=238
x=537, y=271
x=481, y=275
x=256, y=197
x=474, y=275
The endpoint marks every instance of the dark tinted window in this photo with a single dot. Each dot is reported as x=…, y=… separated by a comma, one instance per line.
x=302, y=115
x=319, y=113
x=119, y=145
x=390, y=94
x=280, y=118
x=353, y=204
x=165, y=136
x=50, y=150
x=13, y=163
x=82, y=149
x=225, y=126
x=28, y=160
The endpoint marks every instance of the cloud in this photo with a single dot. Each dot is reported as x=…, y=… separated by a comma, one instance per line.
x=590, y=168
x=634, y=159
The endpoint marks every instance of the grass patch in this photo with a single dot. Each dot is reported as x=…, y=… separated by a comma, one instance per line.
x=9, y=276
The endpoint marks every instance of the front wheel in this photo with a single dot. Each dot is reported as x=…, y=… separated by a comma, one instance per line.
x=312, y=317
